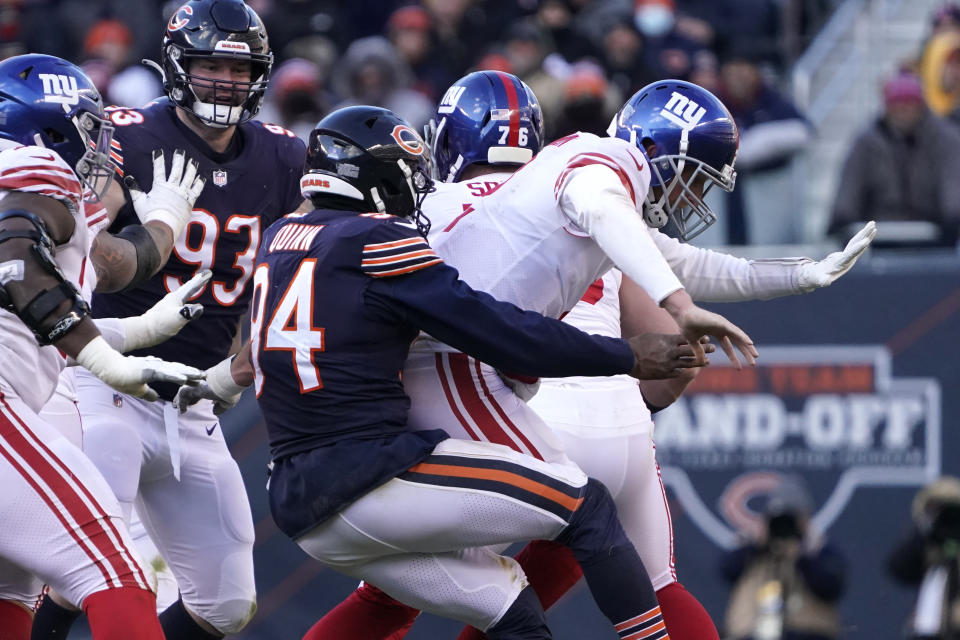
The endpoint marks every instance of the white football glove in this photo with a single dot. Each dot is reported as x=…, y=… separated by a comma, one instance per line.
x=219, y=386
x=814, y=275
x=128, y=374
x=171, y=199
x=165, y=319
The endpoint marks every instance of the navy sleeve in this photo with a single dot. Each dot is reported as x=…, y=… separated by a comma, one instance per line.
x=435, y=300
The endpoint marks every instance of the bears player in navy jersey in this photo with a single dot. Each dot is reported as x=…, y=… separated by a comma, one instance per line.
x=339, y=295
x=216, y=64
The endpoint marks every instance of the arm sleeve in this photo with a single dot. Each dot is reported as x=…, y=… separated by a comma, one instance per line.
x=113, y=331
x=595, y=198
x=712, y=276
x=434, y=299
x=770, y=142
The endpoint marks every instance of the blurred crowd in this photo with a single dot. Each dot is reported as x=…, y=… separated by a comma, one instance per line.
x=582, y=58
x=901, y=169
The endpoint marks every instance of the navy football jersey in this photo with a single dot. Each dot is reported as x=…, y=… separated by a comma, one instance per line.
x=338, y=298
x=249, y=186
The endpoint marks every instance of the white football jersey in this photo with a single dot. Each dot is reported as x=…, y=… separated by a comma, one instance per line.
x=38, y=170
x=591, y=407
x=507, y=235
x=598, y=311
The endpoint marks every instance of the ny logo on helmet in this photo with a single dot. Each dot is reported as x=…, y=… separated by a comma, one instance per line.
x=59, y=88
x=682, y=111
x=449, y=101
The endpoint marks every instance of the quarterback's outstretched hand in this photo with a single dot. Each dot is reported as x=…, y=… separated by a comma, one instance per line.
x=219, y=386
x=695, y=322
x=130, y=375
x=171, y=199
x=165, y=319
x=659, y=355
x=814, y=275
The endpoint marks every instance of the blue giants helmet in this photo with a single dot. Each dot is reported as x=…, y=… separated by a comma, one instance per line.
x=49, y=102
x=689, y=138
x=485, y=117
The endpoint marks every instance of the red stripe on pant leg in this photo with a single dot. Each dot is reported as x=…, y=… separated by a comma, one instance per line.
x=448, y=392
x=513, y=139
x=132, y=566
x=46, y=499
x=125, y=568
x=467, y=389
x=666, y=508
x=126, y=564
x=503, y=414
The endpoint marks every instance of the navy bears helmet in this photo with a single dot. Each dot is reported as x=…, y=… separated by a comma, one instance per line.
x=691, y=141
x=370, y=159
x=485, y=117
x=49, y=102
x=221, y=29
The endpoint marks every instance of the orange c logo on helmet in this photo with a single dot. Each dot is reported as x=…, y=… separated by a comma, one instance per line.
x=408, y=139
x=176, y=22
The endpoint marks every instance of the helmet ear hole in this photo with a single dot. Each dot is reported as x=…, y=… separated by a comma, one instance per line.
x=55, y=136
x=649, y=146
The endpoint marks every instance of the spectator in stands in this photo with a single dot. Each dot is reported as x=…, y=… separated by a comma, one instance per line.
x=589, y=102
x=940, y=71
x=787, y=582
x=371, y=72
x=132, y=85
x=927, y=559
x=527, y=46
x=722, y=23
x=296, y=99
x=410, y=32
x=624, y=56
x=463, y=29
x=946, y=18
x=669, y=52
x=705, y=71
x=559, y=19
x=903, y=167
x=772, y=131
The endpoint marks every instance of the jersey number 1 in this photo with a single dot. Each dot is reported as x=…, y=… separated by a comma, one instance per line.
x=290, y=327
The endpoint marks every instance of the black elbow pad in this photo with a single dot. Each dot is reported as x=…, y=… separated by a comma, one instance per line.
x=148, y=256
x=37, y=314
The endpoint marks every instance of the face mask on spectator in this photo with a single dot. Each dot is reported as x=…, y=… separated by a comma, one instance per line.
x=653, y=20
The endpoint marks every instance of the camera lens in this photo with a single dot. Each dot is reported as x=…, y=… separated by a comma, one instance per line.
x=784, y=526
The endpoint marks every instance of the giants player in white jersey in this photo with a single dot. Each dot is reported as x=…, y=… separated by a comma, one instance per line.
x=62, y=522
x=604, y=424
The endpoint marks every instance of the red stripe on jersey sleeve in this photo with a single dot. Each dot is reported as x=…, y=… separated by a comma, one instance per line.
x=402, y=257
x=586, y=159
x=404, y=270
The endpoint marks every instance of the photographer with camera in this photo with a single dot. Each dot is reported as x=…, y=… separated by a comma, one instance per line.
x=787, y=581
x=928, y=559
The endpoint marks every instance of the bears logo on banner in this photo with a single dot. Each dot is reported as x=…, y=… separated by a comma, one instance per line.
x=832, y=414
